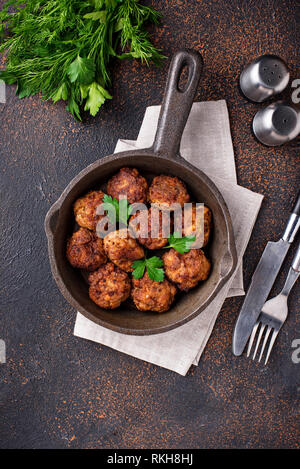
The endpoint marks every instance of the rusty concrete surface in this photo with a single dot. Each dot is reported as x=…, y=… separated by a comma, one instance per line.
x=59, y=391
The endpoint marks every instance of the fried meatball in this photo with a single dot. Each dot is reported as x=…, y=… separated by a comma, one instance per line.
x=186, y=270
x=166, y=190
x=85, y=209
x=85, y=250
x=122, y=249
x=198, y=223
x=129, y=183
x=149, y=295
x=109, y=286
x=156, y=222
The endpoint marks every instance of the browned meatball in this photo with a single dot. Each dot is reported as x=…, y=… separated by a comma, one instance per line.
x=156, y=222
x=166, y=190
x=85, y=209
x=186, y=270
x=85, y=250
x=128, y=183
x=196, y=215
x=122, y=249
x=109, y=286
x=149, y=295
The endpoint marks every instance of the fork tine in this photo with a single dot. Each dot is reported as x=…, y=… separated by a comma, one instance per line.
x=262, y=328
x=253, y=333
x=264, y=342
x=273, y=338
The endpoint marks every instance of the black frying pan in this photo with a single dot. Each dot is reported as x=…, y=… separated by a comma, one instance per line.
x=162, y=158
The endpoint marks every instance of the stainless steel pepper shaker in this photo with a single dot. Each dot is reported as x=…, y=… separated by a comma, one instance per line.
x=276, y=124
x=266, y=76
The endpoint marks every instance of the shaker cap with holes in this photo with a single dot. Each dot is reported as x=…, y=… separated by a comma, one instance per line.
x=276, y=124
x=266, y=76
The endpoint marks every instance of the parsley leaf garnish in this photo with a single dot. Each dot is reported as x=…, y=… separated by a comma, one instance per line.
x=139, y=268
x=180, y=244
x=153, y=266
x=116, y=210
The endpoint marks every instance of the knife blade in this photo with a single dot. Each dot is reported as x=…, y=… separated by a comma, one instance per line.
x=262, y=281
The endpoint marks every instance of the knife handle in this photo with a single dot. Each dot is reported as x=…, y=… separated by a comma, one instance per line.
x=296, y=208
x=293, y=222
x=296, y=260
x=293, y=274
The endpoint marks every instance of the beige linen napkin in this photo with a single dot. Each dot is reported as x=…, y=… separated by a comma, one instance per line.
x=207, y=144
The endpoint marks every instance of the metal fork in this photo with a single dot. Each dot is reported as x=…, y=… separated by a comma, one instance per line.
x=274, y=313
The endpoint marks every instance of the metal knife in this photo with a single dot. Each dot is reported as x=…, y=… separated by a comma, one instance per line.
x=263, y=280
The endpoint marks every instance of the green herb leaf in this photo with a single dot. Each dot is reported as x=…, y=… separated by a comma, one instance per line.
x=82, y=70
x=152, y=265
x=60, y=93
x=73, y=108
x=23, y=90
x=139, y=268
x=124, y=211
x=96, y=97
x=119, y=25
x=117, y=210
x=155, y=273
x=96, y=15
x=154, y=262
x=111, y=205
x=182, y=244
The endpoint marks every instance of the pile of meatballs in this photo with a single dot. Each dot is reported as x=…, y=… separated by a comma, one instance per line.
x=110, y=259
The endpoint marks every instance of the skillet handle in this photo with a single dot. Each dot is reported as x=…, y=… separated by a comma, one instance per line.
x=177, y=102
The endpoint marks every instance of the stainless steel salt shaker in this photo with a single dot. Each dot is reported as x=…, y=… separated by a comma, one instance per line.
x=266, y=76
x=276, y=124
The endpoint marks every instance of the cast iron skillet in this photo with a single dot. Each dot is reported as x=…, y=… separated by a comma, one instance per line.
x=162, y=158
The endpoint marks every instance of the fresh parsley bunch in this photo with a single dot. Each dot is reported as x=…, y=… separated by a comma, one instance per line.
x=62, y=48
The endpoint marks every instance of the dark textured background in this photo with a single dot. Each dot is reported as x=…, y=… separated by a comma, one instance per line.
x=60, y=391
